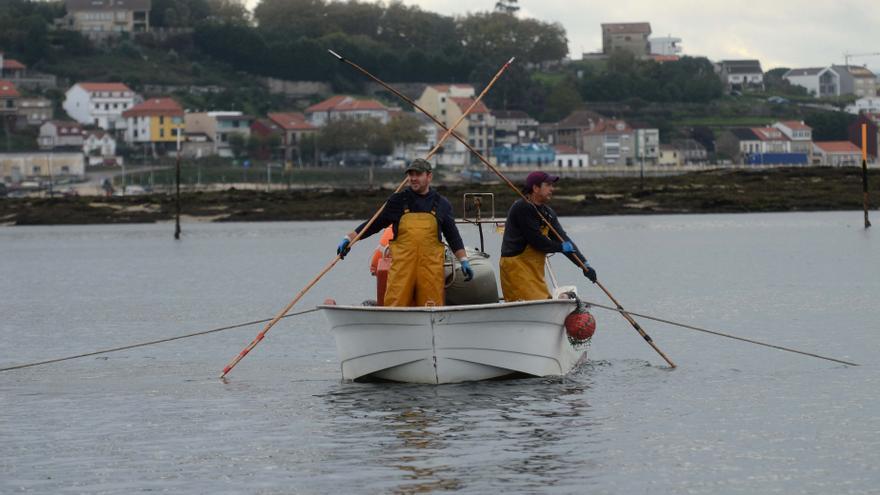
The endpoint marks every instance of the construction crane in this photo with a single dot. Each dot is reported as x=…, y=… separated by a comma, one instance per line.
x=847, y=56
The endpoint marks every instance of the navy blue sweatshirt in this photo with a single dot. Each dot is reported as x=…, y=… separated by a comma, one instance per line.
x=397, y=202
x=523, y=228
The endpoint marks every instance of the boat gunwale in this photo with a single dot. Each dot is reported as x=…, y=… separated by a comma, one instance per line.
x=438, y=309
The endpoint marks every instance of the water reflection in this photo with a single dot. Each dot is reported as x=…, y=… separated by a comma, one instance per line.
x=515, y=432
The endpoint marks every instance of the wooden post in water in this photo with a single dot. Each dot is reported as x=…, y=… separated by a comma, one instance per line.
x=177, y=200
x=865, y=173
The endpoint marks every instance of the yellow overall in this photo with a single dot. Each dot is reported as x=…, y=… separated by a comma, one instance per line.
x=416, y=274
x=522, y=276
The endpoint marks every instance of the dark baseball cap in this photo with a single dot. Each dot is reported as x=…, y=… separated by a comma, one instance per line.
x=419, y=165
x=537, y=178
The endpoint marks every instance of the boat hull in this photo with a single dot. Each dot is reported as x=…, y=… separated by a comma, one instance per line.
x=451, y=344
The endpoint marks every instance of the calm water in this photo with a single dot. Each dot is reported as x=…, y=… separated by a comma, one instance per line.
x=733, y=418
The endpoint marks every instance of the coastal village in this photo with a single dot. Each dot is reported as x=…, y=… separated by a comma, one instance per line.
x=109, y=125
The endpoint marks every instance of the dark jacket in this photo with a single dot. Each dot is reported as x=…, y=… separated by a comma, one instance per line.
x=398, y=202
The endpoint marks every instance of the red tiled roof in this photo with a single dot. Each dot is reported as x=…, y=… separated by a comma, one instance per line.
x=463, y=103
x=12, y=64
x=665, y=58
x=291, y=121
x=565, y=149
x=610, y=127
x=769, y=134
x=838, y=147
x=67, y=124
x=345, y=103
x=155, y=106
x=8, y=90
x=92, y=87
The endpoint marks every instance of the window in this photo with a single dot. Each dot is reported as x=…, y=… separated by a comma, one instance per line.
x=161, y=120
x=36, y=170
x=570, y=161
x=161, y=133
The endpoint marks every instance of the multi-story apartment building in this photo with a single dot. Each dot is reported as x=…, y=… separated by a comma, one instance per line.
x=632, y=37
x=799, y=135
x=102, y=18
x=218, y=127
x=293, y=127
x=570, y=130
x=447, y=102
x=514, y=127
x=855, y=80
x=156, y=121
x=611, y=142
x=34, y=111
x=100, y=104
x=9, y=97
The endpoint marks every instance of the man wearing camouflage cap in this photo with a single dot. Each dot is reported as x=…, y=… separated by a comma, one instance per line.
x=418, y=215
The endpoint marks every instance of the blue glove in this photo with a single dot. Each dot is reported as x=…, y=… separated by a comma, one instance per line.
x=342, y=249
x=567, y=247
x=467, y=270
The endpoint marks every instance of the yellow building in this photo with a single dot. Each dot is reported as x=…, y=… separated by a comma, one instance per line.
x=156, y=120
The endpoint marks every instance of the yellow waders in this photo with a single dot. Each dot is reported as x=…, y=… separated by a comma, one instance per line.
x=416, y=274
x=522, y=276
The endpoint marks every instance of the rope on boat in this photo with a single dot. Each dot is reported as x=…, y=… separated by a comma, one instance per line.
x=154, y=342
x=720, y=334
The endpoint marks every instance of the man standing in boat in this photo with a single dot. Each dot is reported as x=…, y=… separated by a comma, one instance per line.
x=418, y=215
x=526, y=243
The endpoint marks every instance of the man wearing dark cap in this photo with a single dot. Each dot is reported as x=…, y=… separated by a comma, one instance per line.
x=526, y=242
x=418, y=215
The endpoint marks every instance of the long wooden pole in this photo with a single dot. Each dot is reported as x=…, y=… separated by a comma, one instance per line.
x=463, y=141
x=865, y=173
x=333, y=262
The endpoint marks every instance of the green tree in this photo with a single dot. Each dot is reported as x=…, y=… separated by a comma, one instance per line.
x=561, y=101
x=830, y=126
x=404, y=129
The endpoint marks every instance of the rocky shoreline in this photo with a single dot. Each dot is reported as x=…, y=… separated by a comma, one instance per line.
x=715, y=191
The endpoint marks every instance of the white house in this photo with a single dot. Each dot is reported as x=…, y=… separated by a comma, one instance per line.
x=100, y=104
x=800, y=136
x=60, y=134
x=99, y=144
x=665, y=46
x=818, y=81
x=739, y=74
x=343, y=106
x=836, y=153
x=41, y=164
x=868, y=104
x=569, y=157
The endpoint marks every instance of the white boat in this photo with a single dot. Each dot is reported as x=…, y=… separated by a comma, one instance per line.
x=451, y=344
x=474, y=338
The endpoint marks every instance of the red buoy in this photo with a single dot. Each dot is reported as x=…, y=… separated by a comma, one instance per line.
x=580, y=326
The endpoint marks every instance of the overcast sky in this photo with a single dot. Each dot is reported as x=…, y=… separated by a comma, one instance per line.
x=779, y=33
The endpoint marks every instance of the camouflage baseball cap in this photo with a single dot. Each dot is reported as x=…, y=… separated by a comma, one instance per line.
x=419, y=165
